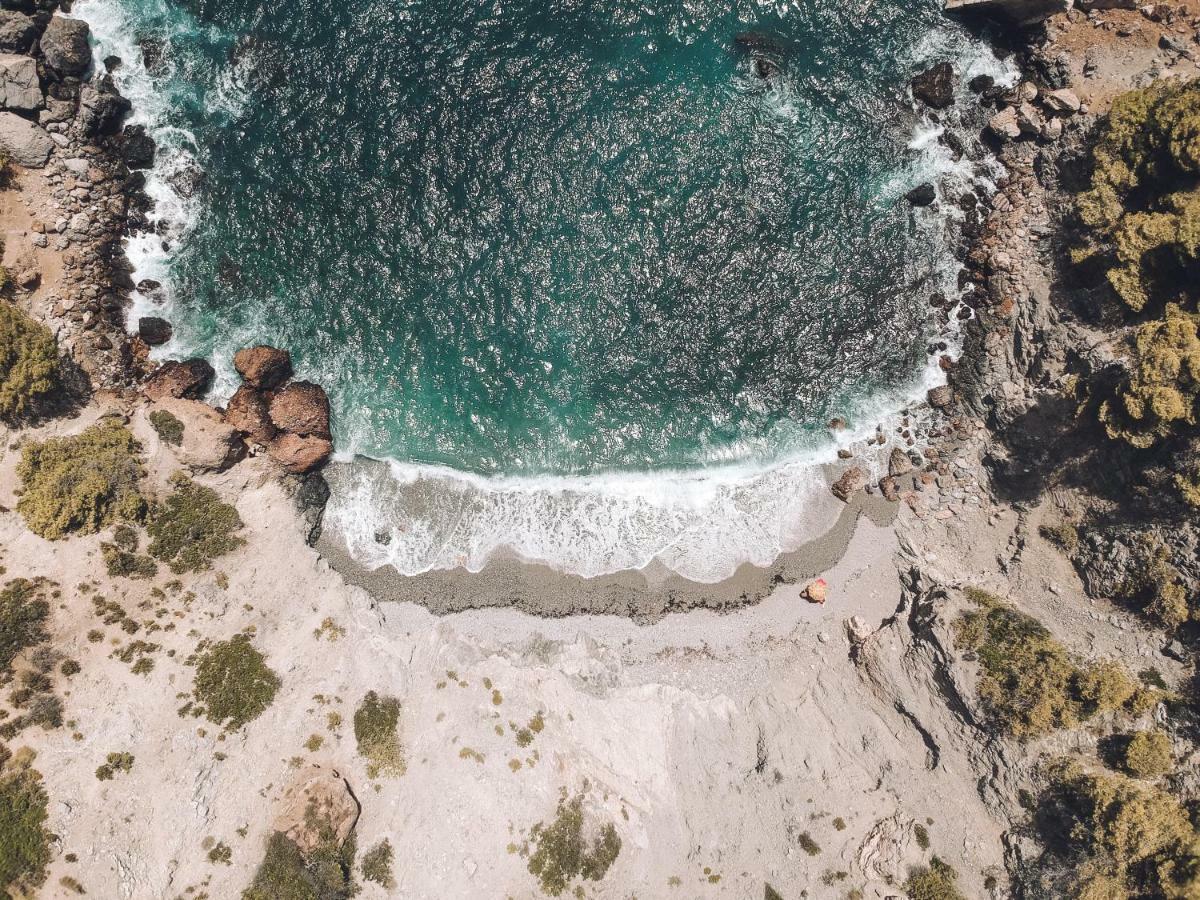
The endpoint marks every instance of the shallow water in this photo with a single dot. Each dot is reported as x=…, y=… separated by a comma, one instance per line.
x=592, y=283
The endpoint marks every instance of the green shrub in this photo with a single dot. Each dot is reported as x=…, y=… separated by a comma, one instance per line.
x=933, y=882
x=24, y=840
x=1148, y=754
x=376, y=729
x=193, y=527
x=1143, y=206
x=808, y=845
x=167, y=426
x=1160, y=395
x=1154, y=584
x=234, y=683
x=1029, y=684
x=113, y=764
x=23, y=614
x=563, y=854
x=125, y=538
x=1120, y=837
x=123, y=564
x=28, y=363
x=81, y=484
x=376, y=865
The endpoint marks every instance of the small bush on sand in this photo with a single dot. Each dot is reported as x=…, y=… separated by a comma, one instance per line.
x=23, y=613
x=376, y=865
x=123, y=564
x=28, y=363
x=563, y=853
x=193, y=527
x=933, y=882
x=24, y=840
x=234, y=684
x=1118, y=837
x=167, y=426
x=376, y=729
x=1148, y=754
x=1029, y=684
x=115, y=763
x=81, y=484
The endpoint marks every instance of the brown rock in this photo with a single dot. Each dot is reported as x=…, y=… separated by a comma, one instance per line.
x=248, y=413
x=940, y=396
x=319, y=799
x=843, y=453
x=815, y=591
x=209, y=444
x=899, y=463
x=889, y=489
x=190, y=378
x=298, y=454
x=263, y=367
x=301, y=408
x=851, y=482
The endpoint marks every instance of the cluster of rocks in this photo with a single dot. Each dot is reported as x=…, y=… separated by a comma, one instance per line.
x=54, y=117
x=289, y=419
x=1027, y=111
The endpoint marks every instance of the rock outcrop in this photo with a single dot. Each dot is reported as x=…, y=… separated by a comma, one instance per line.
x=935, y=86
x=17, y=31
x=189, y=379
x=1017, y=12
x=65, y=46
x=209, y=444
x=301, y=408
x=20, y=88
x=319, y=799
x=263, y=368
x=299, y=454
x=248, y=413
x=23, y=142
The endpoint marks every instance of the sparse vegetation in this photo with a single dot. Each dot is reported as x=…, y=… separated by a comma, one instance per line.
x=376, y=729
x=193, y=527
x=114, y=764
x=24, y=840
x=937, y=881
x=123, y=564
x=376, y=865
x=168, y=428
x=24, y=610
x=563, y=854
x=326, y=872
x=808, y=845
x=1029, y=684
x=921, y=835
x=234, y=684
x=81, y=484
x=28, y=363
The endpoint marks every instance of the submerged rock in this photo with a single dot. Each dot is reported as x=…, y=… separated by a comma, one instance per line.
x=922, y=195
x=262, y=367
x=935, y=86
x=190, y=379
x=301, y=408
x=65, y=46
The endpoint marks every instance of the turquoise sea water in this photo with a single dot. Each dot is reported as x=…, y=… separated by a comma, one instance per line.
x=547, y=240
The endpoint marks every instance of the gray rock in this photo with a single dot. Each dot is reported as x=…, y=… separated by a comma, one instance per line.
x=17, y=31
x=1063, y=102
x=65, y=46
x=19, y=85
x=922, y=195
x=935, y=87
x=23, y=142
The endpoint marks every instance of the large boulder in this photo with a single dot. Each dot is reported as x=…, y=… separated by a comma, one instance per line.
x=940, y=396
x=318, y=802
x=190, y=379
x=935, y=86
x=101, y=108
x=1005, y=124
x=299, y=454
x=248, y=413
x=17, y=31
x=65, y=46
x=301, y=408
x=209, y=444
x=1062, y=102
x=899, y=462
x=851, y=482
x=23, y=142
x=264, y=368
x=20, y=88
x=154, y=330
x=1018, y=12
